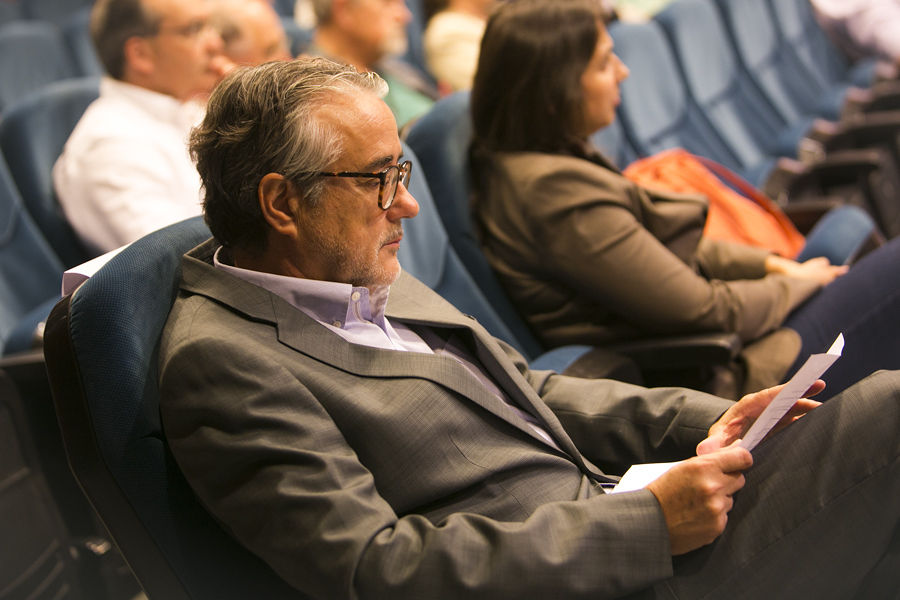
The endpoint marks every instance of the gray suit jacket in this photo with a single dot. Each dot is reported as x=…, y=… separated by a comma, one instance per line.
x=361, y=472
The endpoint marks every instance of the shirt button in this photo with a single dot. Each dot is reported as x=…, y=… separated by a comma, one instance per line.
x=354, y=296
x=336, y=323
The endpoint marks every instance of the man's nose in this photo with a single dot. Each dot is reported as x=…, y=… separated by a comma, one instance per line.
x=404, y=205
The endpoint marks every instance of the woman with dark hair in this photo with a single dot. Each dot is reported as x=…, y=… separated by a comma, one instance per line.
x=590, y=257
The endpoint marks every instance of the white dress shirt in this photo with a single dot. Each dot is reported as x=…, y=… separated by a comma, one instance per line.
x=125, y=170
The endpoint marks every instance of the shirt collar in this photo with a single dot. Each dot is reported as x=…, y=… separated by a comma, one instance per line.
x=337, y=304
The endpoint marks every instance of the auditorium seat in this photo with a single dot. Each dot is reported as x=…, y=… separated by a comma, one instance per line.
x=100, y=350
x=76, y=32
x=32, y=135
x=32, y=54
x=29, y=272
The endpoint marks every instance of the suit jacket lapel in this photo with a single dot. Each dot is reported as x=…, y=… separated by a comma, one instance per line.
x=305, y=335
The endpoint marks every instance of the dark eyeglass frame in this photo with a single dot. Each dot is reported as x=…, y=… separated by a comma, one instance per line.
x=402, y=170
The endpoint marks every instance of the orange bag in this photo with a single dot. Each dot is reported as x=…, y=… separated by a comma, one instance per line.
x=748, y=217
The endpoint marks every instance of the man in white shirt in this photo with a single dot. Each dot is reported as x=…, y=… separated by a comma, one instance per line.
x=126, y=171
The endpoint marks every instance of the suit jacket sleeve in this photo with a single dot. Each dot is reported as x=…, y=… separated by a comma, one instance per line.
x=266, y=458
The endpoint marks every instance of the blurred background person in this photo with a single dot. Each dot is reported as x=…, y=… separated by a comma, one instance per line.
x=251, y=30
x=125, y=170
x=370, y=35
x=862, y=27
x=452, y=40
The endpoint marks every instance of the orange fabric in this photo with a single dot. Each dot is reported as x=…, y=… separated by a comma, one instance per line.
x=751, y=218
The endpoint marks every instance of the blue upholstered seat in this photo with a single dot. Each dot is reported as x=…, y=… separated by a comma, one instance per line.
x=32, y=135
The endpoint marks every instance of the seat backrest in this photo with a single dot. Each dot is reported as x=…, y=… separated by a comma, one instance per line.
x=427, y=254
x=55, y=11
x=769, y=61
x=298, y=37
x=10, y=10
x=441, y=140
x=101, y=347
x=29, y=271
x=415, y=31
x=76, y=32
x=744, y=119
x=34, y=558
x=32, y=54
x=285, y=8
x=32, y=135
x=798, y=26
x=655, y=110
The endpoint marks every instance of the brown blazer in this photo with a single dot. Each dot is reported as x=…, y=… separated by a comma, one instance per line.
x=359, y=472
x=590, y=258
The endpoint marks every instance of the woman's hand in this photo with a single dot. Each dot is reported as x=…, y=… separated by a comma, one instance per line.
x=816, y=269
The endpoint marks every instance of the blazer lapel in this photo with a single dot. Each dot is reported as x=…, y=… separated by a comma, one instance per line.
x=306, y=336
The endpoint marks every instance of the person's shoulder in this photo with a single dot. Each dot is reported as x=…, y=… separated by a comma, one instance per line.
x=534, y=168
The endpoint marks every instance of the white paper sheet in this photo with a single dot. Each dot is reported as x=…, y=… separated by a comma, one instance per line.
x=638, y=476
x=811, y=370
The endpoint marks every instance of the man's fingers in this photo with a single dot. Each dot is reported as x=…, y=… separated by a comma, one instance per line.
x=815, y=388
x=733, y=459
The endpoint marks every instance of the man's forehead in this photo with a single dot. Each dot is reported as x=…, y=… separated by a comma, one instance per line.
x=187, y=9
x=367, y=126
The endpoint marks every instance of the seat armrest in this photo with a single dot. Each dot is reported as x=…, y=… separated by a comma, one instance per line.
x=865, y=130
x=792, y=177
x=805, y=213
x=883, y=95
x=683, y=351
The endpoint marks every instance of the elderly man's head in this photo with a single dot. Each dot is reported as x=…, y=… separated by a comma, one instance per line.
x=301, y=164
x=167, y=46
x=362, y=31
x=252, y=31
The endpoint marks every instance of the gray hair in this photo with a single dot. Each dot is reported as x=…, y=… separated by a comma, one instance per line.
x=262, y=120
x=112, y=23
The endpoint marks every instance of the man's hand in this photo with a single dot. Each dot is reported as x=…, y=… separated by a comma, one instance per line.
x=696, y=495
x=738, y=419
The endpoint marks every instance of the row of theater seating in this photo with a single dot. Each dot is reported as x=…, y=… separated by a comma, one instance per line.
x=48, y=40
x=749, y=83
x=103, y=359
x=54, y=545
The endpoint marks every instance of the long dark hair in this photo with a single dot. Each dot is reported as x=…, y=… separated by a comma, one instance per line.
x=527, y=92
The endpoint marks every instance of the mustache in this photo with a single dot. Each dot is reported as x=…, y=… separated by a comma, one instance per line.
x=392, y=235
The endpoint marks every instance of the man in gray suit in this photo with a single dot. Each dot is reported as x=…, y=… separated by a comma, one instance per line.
x=367, y=440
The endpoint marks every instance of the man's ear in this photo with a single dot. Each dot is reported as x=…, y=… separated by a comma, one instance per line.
x=279, y=203
x=139, y=56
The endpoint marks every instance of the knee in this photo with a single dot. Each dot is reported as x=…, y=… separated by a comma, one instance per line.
x=875, y=400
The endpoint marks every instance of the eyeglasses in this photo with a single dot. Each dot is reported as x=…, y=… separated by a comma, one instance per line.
x=388, y=180
x=190, y=30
